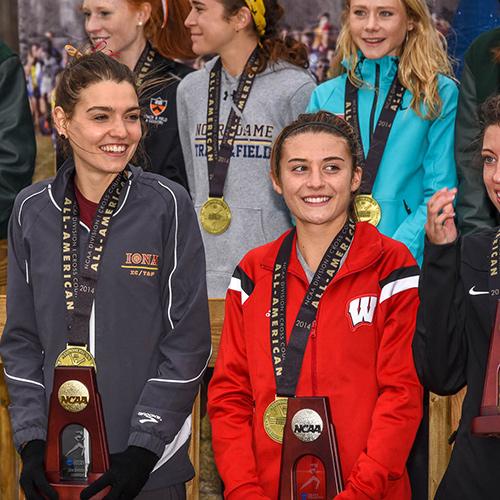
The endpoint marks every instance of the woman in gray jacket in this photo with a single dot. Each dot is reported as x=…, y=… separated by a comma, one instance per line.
x=120, y=248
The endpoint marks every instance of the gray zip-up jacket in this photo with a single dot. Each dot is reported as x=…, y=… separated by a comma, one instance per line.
x=259, y=215
x=149, y=329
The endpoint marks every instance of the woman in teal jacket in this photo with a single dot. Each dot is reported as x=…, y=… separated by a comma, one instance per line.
x=406, y=124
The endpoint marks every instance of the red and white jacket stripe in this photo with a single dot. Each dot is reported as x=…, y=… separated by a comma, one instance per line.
x=359, y=355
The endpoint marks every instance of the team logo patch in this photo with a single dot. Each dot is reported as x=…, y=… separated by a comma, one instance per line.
x=361, y=310
x=157, y=105
x=141, y=264
x=150, y=418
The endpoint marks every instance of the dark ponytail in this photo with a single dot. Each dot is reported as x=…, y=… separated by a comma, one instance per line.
x=274, y=47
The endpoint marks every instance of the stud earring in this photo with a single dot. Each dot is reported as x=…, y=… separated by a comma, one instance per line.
x=63, y=137
x=139, y=23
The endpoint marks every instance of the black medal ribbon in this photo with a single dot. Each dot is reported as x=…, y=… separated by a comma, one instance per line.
x=380, y=134
x=219, y=155
x=80, y=278
x=287, y=358
x=494, y=274
x=144, y=64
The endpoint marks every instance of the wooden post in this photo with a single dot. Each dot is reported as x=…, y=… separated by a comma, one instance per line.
x=193, y=487
x=9, y=487
x=439, y=449
x=216, y=308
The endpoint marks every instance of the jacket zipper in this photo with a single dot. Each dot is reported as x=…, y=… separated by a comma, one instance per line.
x=375, y=101
x=314, y=378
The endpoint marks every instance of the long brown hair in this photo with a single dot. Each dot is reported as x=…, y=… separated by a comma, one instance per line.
x=172, y=41
x=423, y=57
x=274, y=48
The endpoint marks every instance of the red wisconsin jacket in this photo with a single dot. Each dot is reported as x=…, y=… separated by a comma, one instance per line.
x=359, y=355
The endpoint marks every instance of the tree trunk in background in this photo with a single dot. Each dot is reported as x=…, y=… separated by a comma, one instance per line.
x=8, y=24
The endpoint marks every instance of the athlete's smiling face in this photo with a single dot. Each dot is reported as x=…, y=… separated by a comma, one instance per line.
x=114, y=24
x=210, y=27
x=317, y=178
x=490, y=153
x=104, y=128
x=378, y=27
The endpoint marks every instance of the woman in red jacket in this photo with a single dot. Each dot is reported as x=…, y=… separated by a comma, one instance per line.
x=356, y=345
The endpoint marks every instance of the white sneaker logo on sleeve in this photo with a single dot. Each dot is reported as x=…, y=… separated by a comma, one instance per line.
x=472, y=291
x=149, y=418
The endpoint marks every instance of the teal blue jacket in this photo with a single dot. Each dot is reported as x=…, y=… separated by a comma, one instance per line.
x=418, y=159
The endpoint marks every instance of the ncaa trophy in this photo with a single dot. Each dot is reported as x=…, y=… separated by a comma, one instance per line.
x=487, y=424
x=77, y=449
x=310, y=465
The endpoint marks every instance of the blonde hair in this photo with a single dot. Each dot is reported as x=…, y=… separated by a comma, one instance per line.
x=423, y=57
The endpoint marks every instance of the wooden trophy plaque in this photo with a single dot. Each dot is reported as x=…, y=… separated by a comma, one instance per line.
x=487, y=424
x=75, y=402
x=310, y=464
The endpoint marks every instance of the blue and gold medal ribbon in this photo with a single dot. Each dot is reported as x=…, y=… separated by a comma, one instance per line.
x=258, y=10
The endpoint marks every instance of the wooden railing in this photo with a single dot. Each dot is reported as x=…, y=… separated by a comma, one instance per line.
x=444, y=415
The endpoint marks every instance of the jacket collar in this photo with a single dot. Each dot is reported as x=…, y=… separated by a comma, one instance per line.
x=365, y=250
x=57, y=187
x=366, y=68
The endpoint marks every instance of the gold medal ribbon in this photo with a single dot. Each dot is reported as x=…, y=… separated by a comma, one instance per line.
x=258, y=10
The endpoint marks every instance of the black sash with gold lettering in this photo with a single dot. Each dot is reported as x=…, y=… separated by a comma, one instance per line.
x=379, y=137
x=494, y=275
x=144, y=65
x=80, y=278
x=288, y=357
x=219, y=155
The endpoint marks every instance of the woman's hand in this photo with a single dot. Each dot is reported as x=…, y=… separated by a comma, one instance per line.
x=440, y=226
x=33, y=480
x=128, y=473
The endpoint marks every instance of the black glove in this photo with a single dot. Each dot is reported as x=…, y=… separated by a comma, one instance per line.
x=33, y=480
x=127, y=475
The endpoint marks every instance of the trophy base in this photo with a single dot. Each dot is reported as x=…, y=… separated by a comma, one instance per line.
x=71, y=491
x=486, y=426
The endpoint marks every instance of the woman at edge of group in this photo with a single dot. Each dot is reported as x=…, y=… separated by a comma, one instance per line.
x=147, y=36
x=456, y=318
x=362, y=362
x=234, y=29
x=379, y=40
x=149, y=327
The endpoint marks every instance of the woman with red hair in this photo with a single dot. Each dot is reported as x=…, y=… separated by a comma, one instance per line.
x=147, y=37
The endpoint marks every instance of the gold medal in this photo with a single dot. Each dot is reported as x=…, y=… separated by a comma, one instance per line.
x=75, y=356
x=367, y=209
x=275, y=419
x=215, y=216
